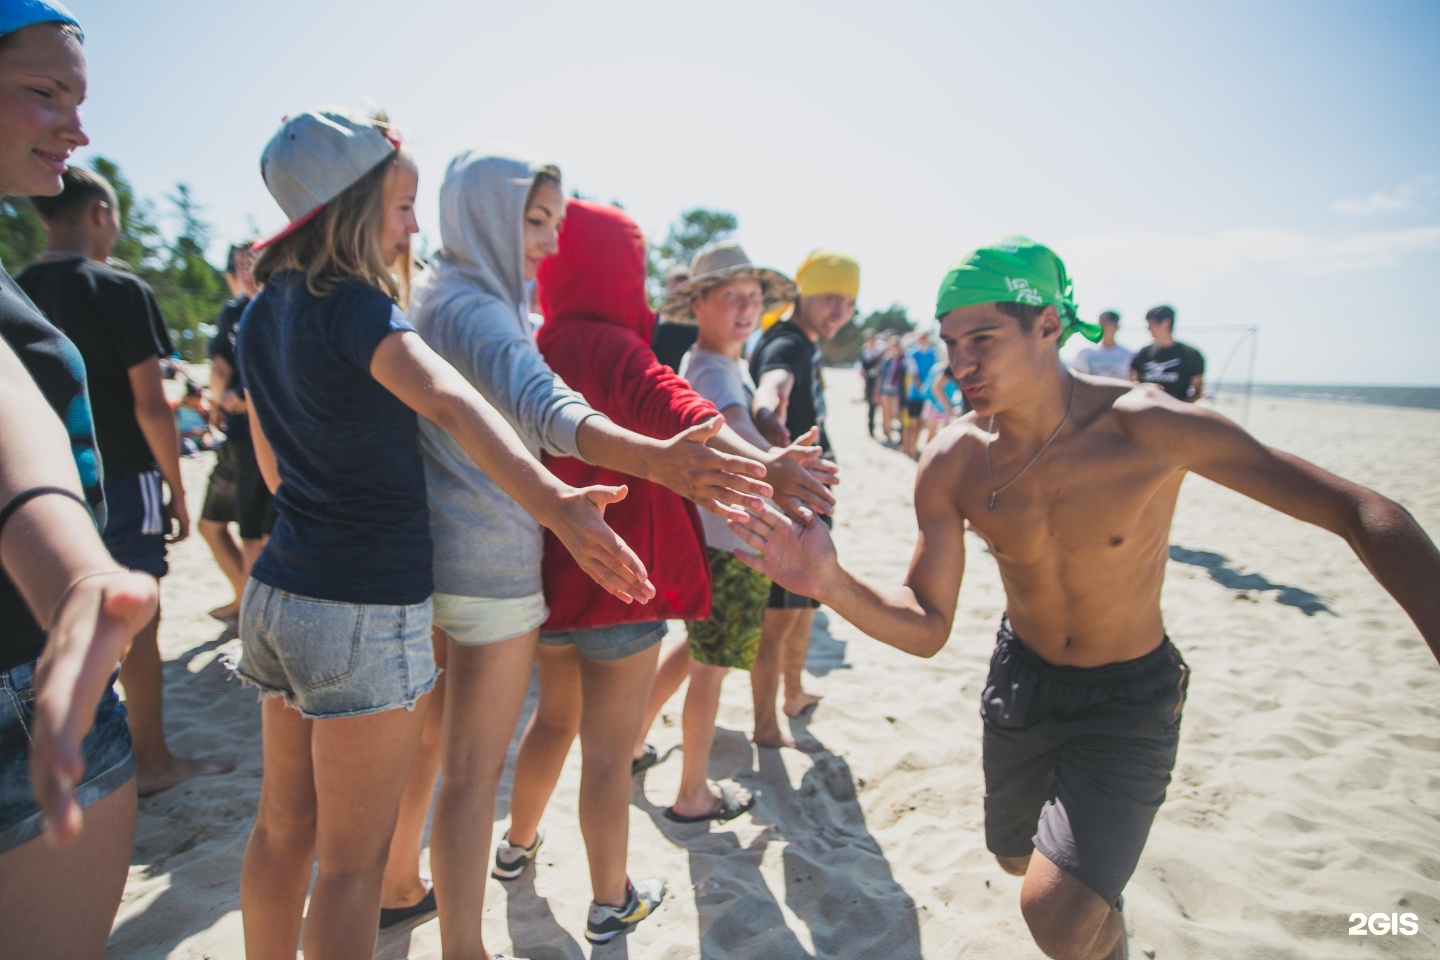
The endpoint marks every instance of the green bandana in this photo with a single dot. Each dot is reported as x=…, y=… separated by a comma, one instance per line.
x=1014, y=270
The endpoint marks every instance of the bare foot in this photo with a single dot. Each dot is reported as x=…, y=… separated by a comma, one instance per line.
x=772, y=738
x=801, y=704
x=160, y=777
x=229, y=611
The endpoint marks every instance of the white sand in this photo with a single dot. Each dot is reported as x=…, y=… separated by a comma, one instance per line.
x=1308, y=785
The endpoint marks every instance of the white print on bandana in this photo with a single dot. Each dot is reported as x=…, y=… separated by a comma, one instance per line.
x=1161, y=371
x=1024, y=293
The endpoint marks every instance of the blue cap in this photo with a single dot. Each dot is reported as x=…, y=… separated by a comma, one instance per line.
x=18, y=14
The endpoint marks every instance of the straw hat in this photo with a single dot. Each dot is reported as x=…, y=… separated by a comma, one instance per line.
x=720, y=263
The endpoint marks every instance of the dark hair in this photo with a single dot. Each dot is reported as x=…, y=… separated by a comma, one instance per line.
x=79, y=190
x=1162, y=312
x=1112, y=314
x=233, y=254
x=1023, y=313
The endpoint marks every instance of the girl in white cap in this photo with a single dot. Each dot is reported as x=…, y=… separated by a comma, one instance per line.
x=336, y=616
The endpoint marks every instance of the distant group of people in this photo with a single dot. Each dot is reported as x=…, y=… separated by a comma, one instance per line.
x=432, y=498
x=1175, y=367
x=908, y=381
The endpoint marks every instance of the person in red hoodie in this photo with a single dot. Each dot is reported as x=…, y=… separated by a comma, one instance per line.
x=597, y=658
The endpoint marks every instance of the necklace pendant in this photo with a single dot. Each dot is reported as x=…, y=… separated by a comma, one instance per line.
x=990, y=504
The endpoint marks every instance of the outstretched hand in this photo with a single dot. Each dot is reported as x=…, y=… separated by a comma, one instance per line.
x=801, y=476
x=94, y=625
x=796, y=555
x=719, y=482
x=580, y=525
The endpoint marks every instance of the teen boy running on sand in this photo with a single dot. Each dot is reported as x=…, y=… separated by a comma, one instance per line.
x=1082, y=706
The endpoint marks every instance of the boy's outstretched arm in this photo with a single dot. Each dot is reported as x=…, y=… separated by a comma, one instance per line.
x=1383, y=534
x=915, y=617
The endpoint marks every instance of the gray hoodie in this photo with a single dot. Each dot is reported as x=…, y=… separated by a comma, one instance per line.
x=469, y=306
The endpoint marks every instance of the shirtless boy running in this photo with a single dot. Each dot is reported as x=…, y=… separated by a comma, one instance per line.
x=1082, y=707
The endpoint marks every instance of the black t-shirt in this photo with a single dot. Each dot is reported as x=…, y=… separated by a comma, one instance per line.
x=227, y=327
x=670, y=342
x=785, y=347
x=111, y=316
x=55, y=366
x=1172, y=367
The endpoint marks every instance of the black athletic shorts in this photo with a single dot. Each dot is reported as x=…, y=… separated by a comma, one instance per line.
x=913, y=408
x=254, y=505
x=219, y=504
x=1077, y=760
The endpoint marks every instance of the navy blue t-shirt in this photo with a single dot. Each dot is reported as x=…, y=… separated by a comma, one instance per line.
x=55, y=365
x=352, y=523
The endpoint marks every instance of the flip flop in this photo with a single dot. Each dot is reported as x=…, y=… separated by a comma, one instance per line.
x=392, y=916
x=645, y=761
x=730, y=808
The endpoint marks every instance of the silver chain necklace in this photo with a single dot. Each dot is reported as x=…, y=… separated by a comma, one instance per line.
x=994, y=493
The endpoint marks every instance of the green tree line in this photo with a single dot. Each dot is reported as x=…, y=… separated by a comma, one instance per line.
x=188, y=287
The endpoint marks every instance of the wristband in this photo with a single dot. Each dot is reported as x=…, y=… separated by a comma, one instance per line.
x=25, y=496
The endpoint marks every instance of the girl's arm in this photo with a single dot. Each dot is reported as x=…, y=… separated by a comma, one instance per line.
x=90, y=605
x=423, y=381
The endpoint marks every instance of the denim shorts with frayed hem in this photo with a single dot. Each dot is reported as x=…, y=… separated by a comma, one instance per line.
x=609, y=643
x=330, y=659
x=109, y=761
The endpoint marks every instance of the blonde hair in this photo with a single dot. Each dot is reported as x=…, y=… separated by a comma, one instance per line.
x=342, y=242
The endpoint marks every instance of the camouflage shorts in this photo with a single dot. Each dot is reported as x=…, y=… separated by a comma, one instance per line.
x=737, y=606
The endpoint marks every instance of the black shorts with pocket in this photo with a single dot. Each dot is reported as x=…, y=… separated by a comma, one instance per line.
x=1077, y=760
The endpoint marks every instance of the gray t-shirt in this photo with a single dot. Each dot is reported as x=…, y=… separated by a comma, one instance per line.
x=725, y=383
x=1105, y=362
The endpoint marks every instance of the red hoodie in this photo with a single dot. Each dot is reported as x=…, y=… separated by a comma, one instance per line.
x=596, y=336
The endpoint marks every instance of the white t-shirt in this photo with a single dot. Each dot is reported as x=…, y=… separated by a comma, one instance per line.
x=1105, y=361
x=725, y=383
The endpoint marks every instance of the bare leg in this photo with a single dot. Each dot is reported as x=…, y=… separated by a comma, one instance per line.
x=765, y=678
x=142, y=680
x=226, y=551
x=276, y=869
x=359, y=775
x=60, y=904
x=697, y=796
x=796, y=648
x=613, y=705
x=488, y=685
x=673, y=669
x=1066, y=918
x=552, y=728
x=403, y=886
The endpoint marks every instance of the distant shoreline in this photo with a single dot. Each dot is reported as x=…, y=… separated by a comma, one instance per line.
x=1424, y=398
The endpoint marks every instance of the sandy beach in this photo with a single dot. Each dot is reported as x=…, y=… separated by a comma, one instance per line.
x=1307, y=788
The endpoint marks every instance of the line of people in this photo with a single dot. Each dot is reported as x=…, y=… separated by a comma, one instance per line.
x=454, y=492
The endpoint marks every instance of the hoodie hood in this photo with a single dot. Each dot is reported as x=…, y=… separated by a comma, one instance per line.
x=482, y=237
x=599, y=273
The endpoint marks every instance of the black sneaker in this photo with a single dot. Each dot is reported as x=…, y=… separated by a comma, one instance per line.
x=510, y=860
x=607, y=922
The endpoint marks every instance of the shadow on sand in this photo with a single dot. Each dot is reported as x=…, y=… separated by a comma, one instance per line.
x=1221, y=572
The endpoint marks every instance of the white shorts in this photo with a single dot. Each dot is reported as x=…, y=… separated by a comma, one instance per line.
x=476, y=621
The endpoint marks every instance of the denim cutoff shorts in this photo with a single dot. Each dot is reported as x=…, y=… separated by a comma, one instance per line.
x=109, y=761
x=609, y=643
x=333, y=659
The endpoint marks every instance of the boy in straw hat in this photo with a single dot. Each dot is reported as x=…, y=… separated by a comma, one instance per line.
x=1082, y=707
x=790, y=400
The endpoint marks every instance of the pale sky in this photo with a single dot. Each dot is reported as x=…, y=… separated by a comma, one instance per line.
x=1272, y=164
